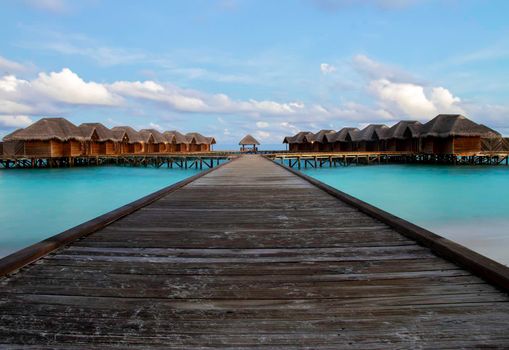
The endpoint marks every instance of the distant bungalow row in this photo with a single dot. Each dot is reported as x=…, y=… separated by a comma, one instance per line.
x=444, y=134
x=58, y=137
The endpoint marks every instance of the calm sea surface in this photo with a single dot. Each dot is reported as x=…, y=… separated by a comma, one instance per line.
x=36, y=204
x=469, y=205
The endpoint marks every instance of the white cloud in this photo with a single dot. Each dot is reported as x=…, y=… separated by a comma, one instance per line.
x=10, y=66
x=66, y=86
x=326, y=68
x=263, y=134
x=413, y=100
x=262, y=124
x=443, y=98
x=14, y=121
x=377, y=70
x=9, y=83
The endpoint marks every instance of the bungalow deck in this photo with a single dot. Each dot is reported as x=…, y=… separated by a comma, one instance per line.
x=251, y=255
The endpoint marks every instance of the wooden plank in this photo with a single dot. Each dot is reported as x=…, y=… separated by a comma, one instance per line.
x=30, y=254
x=249, y=256
x=486, y=268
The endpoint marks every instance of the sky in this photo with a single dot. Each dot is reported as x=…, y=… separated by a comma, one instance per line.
x=270, y=68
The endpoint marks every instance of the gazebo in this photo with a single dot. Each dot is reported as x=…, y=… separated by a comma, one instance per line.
x=250, y=142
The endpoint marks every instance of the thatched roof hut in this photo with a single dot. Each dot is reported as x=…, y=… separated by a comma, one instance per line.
x=341, y=141
x=320, y=135
x=450, y=125
x=198, y=142
x=174, y=136
x=177, y=141
x=368, y=139
x=454, y=134
x=343, y=135
x=102, y=132
x=403, y=129
x=100, y=140
x=402, y=137
x=249, y=140
x=132, y=141
x=300, y=142
x=372, y=132
x=133, y=136
x=197, y=138
x=156, y=142
x=47, y=137
x=300, y=137
x=46, y=129
x=152, y=135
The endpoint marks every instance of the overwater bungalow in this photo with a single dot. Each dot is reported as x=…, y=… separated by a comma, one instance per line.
x=370, y=138
x=212, y=142
x=249, y=144
x=48, y=137
x=300, y=142
x=154, y=141
x=177, y=142
x=132, y=142
x=198, y=142
x=342, y=141
x=320, y=143
x=454, y=134
x=99, y=140
x=403, y=137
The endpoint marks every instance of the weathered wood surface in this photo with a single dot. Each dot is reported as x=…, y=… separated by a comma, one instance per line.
x=249, y=256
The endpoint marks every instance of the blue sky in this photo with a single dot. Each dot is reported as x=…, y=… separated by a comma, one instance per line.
x=270, y=68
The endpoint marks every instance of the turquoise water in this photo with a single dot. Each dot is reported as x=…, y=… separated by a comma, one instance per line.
x=469, y=205
x=36, y=204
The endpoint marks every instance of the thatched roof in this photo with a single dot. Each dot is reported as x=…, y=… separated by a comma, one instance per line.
x=212, y=140
x=48, y=129
x=489, y=132
x=343, y=135
x=157, y=137
x=403, y=130
x=287, y=139
x=372, y=132
x=103, y=133
x=8, y=137
x=197, y=138
x=446, y=125
x=133, y=135
x=300, y=137
x=174, y=136
x=248, y=140
x=320, y=135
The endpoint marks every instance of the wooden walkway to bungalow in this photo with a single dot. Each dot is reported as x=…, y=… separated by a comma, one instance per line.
x=250, y=256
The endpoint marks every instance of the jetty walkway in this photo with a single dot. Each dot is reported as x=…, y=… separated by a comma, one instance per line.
x=251, y=255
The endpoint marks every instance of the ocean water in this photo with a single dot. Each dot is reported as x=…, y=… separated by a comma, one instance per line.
x=36, y=204
x=467, y=204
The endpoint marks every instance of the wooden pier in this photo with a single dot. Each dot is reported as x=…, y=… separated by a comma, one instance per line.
x=335, y=159
x=251, y=255
x=177, y=160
